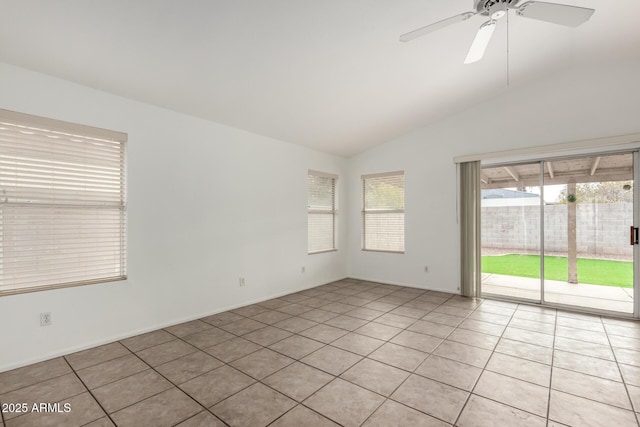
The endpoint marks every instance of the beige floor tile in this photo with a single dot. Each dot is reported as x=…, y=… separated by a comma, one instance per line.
x=532, y=325
x=243, y=326
x=378, y=331
x=188, y=367
x=267, y=336
x=394, y=414
x=596, y=326
x=450, y=372
x=222, y=318
x=93, y=356
x=32, y=374
x=250, y=310
x=53, y=390
x=429, y=328
x=271, y=317
x=365, y=313
x=631, y=374
x=202, y=419
x=431, y=397
x=214, y=386
x=513, y=392
x=533, y=372
x=166, y=352
x=577, y=411
x=490, y=317
x=164, y=409
x=444, y=319
x=532, y=352
x=538, y=317
x=582, y=335
x=208, y=338
x=113, y=370
x=346, y=322
x=381, y=306
x=302, y=416
x=475, y=339
x=296, y=346
x=345, y=403
x=481, y=412
x=294, y=309
x=356, y=343
x=628, y=357
x=634, y=394
x=295, y=324
x=413, y=312
x=298, y=381
x=150, y=339
x=324, y=333
x=318, y=315
x=332, y=360
x=338, y=307
x=101, y=422
x=233, y=349
x=399, y=356
x=130, y=390
x=188, y=328
x=395, y=320
x=454, y=311
x=262, y=363
x=586, y=365
x=483, y=327
x=528, y=337
x=474, y=356
x=624, y=342
x=628, y=330
x=257, y=405
x=585, y=348
x=594, y=388
x=417, y=341
x=375, y=376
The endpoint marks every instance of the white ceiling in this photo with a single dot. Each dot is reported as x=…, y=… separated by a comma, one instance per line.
x=327, y=74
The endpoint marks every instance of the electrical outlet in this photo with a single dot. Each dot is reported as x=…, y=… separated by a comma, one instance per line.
x=45, y=319
x=303, y=269
x=242, y=283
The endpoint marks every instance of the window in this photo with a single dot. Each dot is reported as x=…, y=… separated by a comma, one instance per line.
x=383, y=212
x=62, y=204
x=321, y=212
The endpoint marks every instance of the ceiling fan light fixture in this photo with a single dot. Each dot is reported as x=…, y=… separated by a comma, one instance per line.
x=480, y=43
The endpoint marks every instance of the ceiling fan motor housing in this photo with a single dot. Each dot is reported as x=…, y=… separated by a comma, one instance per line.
x=496, y=9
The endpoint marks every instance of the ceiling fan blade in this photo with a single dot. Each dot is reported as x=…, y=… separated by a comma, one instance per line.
x=561, y=14
x=480, y=43
x=434, y=27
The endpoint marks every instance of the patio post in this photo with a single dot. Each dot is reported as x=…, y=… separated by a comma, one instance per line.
x=571, y=235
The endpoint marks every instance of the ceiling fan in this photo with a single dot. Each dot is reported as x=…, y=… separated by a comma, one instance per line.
x=571, y=16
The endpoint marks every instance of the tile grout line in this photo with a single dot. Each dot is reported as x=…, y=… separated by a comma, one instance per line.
x=89, y=391
x=485, y=366
x=624, y=382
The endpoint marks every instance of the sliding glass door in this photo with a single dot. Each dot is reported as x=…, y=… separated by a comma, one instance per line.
x=561, y=232
x=510, y=231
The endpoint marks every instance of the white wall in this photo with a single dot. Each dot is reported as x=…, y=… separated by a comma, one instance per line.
x=206, y=204
x=577, y=104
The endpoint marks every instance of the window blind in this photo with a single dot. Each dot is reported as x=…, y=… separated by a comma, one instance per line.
x=383, y=212
x=62, y=204
x=322, y=212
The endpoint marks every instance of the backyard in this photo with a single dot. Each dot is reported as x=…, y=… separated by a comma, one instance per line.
x=591, y=271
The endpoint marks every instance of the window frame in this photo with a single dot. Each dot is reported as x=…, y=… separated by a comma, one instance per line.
x=333, y=212
x=364, y=212
x=67, y=131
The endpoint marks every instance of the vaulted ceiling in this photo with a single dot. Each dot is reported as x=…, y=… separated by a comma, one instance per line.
x=328, y=74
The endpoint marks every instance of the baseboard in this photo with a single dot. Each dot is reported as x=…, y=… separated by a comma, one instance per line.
x=119, y=337
x=406, y=285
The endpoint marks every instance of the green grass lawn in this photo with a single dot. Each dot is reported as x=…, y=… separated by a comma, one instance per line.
x=592, y=271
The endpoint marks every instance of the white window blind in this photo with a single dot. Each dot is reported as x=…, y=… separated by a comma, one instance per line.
x=321, y=212
x=62, y=204
x=383, y=212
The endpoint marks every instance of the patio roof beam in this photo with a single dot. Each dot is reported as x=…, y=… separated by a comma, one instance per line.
x=513, y=173
x=594, y=167
x=550, y=169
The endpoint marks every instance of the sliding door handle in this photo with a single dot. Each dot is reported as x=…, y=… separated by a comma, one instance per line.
x=633, y=235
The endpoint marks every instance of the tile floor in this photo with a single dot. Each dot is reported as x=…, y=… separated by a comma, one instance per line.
x=349, y=353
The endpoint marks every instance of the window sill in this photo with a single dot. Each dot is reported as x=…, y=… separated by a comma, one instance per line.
x=322, y=252
x=379, y=250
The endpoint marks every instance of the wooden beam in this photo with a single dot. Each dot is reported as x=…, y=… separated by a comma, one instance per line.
x=513, y=173
x=594, y=167
x=550, y=169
